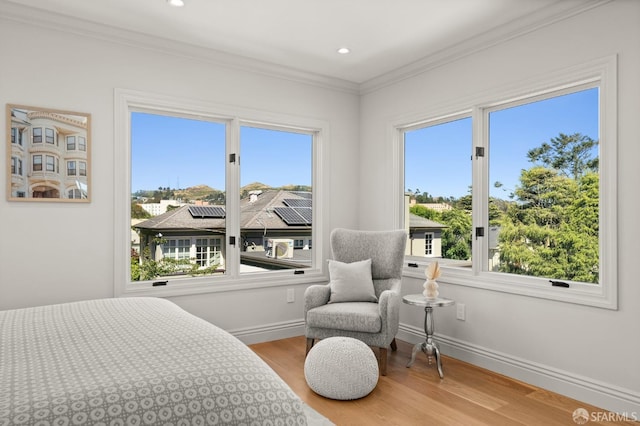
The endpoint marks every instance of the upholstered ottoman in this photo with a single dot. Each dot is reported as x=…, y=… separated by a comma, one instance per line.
x=341, y=368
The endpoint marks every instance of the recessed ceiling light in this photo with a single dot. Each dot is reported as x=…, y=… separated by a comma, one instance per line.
x=176, y=3
x=343, y=50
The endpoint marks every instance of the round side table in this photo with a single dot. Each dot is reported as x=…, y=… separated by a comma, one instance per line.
x=429, y=346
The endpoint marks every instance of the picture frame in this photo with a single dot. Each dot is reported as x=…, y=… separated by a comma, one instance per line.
x=48, y=155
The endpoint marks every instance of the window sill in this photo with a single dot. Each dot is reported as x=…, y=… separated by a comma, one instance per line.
x=183, y=287
x=579, y=293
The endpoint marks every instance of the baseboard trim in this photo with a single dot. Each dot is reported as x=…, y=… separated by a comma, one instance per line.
x=269, y=332
x=600, y=394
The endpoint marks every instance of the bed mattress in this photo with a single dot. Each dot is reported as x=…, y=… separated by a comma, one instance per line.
x=133, y=361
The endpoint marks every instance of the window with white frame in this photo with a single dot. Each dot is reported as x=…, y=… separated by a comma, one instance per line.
x=71, y=143
x=208, y=251
x=49, y=136
x=37, y=163
x=71, y=168
x=37, y=134
x=539, y=215
x=50, y=163
x=200, y=170
x=177, y=249
x=428, y=244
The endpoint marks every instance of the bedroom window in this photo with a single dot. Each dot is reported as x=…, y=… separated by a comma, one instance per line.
x=222, y=195
x=538, y=216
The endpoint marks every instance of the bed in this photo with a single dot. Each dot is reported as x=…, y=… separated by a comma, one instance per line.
x=133, y=361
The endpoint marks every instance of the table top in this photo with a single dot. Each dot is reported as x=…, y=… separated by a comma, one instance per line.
x=420, y=300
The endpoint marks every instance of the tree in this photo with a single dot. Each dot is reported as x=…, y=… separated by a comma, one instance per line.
x=552, y=229
x=456, y=238
x=570, y=155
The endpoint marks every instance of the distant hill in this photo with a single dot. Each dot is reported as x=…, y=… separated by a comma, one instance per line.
x=198, y=192
x=206, y=193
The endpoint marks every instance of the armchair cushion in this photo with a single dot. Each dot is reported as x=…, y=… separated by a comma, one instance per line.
x=351, y=282
x=349, y=316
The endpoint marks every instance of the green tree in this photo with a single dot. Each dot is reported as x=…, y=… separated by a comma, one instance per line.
x=551, y=230
x=456, y=238
x=570, y=155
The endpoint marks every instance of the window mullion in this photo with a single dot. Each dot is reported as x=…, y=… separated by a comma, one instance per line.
x=233, y=198
x=480, y=126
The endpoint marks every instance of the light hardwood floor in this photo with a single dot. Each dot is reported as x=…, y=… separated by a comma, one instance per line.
x=468, y=395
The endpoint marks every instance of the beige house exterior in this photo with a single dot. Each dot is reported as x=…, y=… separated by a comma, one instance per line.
x=48, y=155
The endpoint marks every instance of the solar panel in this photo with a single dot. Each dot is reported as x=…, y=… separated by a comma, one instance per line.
x=293, y=216
x=306, y=213
x=208, y=212
x=297, y=202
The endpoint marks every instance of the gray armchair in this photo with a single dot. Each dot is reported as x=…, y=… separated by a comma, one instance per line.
x=374, y=323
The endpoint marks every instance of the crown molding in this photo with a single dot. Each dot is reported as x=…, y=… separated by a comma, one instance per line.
x=517, y=28
x=58, y=22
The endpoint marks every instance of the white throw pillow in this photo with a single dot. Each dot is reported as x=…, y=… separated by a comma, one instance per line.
x=351, y=282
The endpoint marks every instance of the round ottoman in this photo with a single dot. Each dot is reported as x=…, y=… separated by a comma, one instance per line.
x=341, y=368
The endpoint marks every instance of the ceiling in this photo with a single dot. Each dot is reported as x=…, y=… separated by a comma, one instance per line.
x=383, y=35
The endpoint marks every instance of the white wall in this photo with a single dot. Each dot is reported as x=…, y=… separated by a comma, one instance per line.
x=56, y=252
x=536, y=340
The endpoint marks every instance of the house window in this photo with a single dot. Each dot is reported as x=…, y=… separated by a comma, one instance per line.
x=71, y=143
x=16, y=166
x=238, y=174
x=82, y=168
x=37, y=135
x=281, y=161
x=82, y=143
x=544, y=192
x=49, y=136
x=71, y=168
x=50, y=163
x=177, y=249
x=208, y=251
x=438, y=183
x=428, y=244
x=538, y=217
x=37, y=163
x=74, y=193
x=16, y=136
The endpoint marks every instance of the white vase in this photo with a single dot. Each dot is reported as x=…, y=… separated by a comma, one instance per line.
x=430, y=289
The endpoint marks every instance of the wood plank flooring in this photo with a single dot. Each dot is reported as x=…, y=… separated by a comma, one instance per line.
x=467, y=396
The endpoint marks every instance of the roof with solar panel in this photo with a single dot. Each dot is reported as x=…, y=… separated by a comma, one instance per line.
x=265, y=209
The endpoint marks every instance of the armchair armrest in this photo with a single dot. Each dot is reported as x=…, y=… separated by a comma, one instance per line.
x=389, y=306
x=316, y=295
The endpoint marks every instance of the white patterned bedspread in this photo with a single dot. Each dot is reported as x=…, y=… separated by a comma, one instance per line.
x=133, y=361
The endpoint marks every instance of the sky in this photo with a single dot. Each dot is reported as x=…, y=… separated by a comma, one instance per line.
x=179, y=153
x=438, y=158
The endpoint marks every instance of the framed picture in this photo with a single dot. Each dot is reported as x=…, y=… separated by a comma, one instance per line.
x=48, y=155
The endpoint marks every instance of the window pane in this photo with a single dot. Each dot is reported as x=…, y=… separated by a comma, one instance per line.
x=438, y=191
x=544, y=194
x=275, y=199
x=178, y=195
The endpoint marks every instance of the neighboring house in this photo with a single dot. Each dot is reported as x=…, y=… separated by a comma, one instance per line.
x=155, y=209
x=425, y=237
x=275, y=231
x=48, y=155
